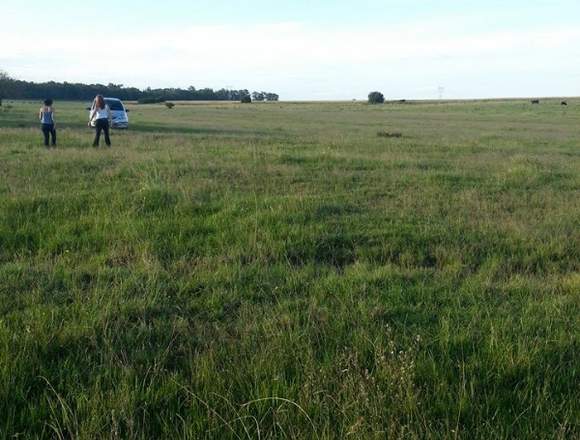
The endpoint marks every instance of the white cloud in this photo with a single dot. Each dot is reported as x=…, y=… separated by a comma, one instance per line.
x=301, y=61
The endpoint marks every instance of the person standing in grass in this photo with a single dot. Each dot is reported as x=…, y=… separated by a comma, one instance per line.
x=46, y=116
x=101, y=116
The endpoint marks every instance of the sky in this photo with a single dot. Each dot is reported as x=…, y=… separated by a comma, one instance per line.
x=302, y=50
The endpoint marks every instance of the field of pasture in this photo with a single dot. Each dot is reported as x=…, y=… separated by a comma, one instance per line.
x=282, y=271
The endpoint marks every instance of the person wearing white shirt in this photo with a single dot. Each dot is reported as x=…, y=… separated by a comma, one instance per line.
x=101, y=115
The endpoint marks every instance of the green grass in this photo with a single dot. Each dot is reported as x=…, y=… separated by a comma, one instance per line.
x=280, y=271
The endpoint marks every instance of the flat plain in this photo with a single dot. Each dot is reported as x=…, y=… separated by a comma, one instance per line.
x=282, y=270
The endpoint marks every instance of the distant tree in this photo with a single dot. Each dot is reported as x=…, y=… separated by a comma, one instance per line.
x=246, y=99
x=4, y=83
x=258, y=96
x=169, y=105
x=376, y=98
x=223, y=95
x=17, y=89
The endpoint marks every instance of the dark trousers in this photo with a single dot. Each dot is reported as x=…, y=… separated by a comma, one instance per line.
x=49, y=131
x=102, y=125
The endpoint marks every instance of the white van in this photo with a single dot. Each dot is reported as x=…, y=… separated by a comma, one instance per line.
x=119, y=118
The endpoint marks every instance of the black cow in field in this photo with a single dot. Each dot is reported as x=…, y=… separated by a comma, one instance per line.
x=564, y=103
x=535, y=101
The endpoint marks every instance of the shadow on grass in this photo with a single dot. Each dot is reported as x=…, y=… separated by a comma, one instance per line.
x=144, y=128
x=168, y=129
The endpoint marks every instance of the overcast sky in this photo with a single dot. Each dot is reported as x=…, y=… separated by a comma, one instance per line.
x=326, y=49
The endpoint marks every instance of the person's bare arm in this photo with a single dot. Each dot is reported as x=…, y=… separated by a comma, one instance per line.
x=91, y=114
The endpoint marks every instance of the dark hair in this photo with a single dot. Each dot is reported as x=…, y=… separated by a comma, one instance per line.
x=99, y=101
x=48, y=102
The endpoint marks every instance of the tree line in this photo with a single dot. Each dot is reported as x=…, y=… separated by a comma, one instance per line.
x=11, y=88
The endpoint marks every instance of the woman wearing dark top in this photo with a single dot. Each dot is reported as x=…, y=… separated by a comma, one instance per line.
x=46, y=116
x=101, y=114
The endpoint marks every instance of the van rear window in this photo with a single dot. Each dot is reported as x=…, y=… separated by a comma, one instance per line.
x=114, y=105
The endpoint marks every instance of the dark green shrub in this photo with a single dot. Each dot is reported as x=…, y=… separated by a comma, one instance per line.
x=376, y=98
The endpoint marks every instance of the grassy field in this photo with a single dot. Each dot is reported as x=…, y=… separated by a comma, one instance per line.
x=281, y=271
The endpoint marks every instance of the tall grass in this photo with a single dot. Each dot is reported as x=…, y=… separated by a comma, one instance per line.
x=279, y=271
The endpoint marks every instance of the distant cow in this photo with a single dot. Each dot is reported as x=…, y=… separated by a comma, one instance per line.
x=535, y=101
x=563, y=103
